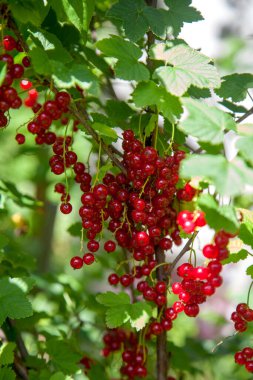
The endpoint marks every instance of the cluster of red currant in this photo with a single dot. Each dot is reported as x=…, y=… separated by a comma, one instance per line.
x=133, y=355
x=189, y=221
x=245, y=357
x=9, y=97
x=242, y=316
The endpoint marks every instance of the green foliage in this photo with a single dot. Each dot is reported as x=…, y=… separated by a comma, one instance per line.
x=218, y=217
x=63, y=355
x=235, y=86
x=7, y=373
x=120, y=310
x=6, y=353
x=181, y=12
x=14, y=302
x=205, y=122
x=79, y=13
x=184, y=67
x=244, y=145
x=3, y=71
x=127, y=54
x=229, y=178
x=236, y=257
x=149, y=94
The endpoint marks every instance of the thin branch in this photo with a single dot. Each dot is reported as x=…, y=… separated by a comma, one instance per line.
x=185, y=249
x=244, y=116
x=79, y=112
x=18, y=339
x=162, y=363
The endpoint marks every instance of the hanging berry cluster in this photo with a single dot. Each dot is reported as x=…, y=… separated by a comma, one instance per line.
x=141, y=209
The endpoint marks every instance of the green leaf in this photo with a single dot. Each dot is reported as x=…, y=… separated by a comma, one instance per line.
x=118, y=111
x=75, y=229
x=112, y=299
x=127, y=53
x=137, y=18
x=180, y=12
x=103, y=170
x=218, y=217
x=60, y=376
x=198, y=93
x=51, y=45
x=229, y=178
x=236, y=257
x=3, y=71
x=40, y=61
x=14, y=302
x=139, y=313
x=205, y=122
x=79, y=12
x=148, y=94
x=6, y=353
x=151, y=125
x=63, y=356
x=116, y=316
x=97, y=372
x=246, y=227
x=249, y=271
x=245, y=144
x=235, y=86
x=105, y=130
x=29, y=11
x=233, y=107
x=6, y=373
x=76, y=74
x=188, y=67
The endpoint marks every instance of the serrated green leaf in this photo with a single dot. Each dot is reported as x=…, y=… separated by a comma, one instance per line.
x=148, y=94
x=75, y=229
x=24, y=283
x=113, y=299
x=14, y=302
x=249, y=271
x=105, y=130
x=6, y=353
x=233, y=107
x=244, y=145
x=229, y=178
x=51, y=45
x=118, y=111
x=198, y=93
x=60, y=376
x=205, y=122
x=127, y=53
x=76, y=74
x=28, y=11
x=150, y=127
x=79, y=13
x=3, y=71
x=116, y=316
x=218, y=217
x=179, y=13
x=40, y=61
x=63, y=356
x=236, y=257
x=235, y=86
x=188, y=67
x=7, y=373
x=139, y=314
x=246, y=227
x=130, y=13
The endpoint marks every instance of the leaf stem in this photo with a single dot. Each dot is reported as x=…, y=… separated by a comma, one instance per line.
x=248, y=296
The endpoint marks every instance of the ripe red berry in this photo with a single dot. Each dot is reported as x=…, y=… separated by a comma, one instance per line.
x=109, y=246
x=9, y=43
x=113, y=279
x=93, y=245
x=20, y=138
x=142, y=239
x=156, y=328
x=66, y=208
x=210, y=251
x=88, y=258
x=25, y=84
x=76, y=262
x=191, y=310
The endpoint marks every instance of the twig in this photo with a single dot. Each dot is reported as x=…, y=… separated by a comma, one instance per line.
x=79, y=112
x=185, y=249
x=162, y=364
x=244, y=116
